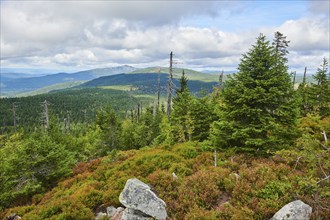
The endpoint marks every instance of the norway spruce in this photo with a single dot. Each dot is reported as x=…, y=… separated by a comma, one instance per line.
x=181, y=118
x=258, y=109
x=320, y=92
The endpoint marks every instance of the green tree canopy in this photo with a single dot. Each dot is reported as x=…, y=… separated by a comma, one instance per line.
x=31, y=165
x=257, y=109
x=281, y=44
x=181, y=118
x=203, y=115
x=315, y=98
x=110, y=126
x=321, y=90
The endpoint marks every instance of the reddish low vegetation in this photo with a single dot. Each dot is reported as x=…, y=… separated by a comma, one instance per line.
x=240, y=187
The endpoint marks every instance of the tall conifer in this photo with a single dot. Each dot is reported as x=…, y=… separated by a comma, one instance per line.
x=181, y=115
x=320, y=91
x=258, y=110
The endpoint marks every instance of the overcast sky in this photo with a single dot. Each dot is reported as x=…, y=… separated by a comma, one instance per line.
x=76, y=35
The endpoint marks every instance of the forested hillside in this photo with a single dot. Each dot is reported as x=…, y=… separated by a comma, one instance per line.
x=80, y=104
x=122, y=91
x=242, y=151
x=147, y=83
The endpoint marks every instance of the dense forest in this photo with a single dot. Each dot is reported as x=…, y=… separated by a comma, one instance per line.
x=80, y=104
x=255, y=143
x=122, y=91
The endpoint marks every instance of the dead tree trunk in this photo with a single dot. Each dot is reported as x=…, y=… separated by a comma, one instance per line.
x=154, y=113
x=64, y=126
x=58, y=120
x=68, y=121
x=215, y=158
x=138, y=113
x=169, y=88
x=132, y=115
x=294, y=78
x=304, y=89
x=304, y=79
x=85, y=116
x=158, y=88
x=14, y=116
x=45, y=114
x=221, y=80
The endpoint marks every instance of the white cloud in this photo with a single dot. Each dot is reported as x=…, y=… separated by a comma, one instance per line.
x=309, y=41
x=101, y=33
x=307, y=33
x=30, y=28
x=86, y=56
x=319, y=7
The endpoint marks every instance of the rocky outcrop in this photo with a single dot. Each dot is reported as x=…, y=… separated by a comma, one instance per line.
x=138, y=196
x=293, y=211
x=140, y=202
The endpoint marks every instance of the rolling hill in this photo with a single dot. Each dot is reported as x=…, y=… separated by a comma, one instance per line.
x=142, y=80
x=146, y=80
x=14, y=75
x=47, y=89
x=121, y=91
x=14, y=86
x=177, y=72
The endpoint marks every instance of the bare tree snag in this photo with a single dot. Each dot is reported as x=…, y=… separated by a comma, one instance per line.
x=169, y=88
x=45, y=115
x=15, y=116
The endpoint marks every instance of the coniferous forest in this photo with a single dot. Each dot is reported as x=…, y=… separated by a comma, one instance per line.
x=242, y=151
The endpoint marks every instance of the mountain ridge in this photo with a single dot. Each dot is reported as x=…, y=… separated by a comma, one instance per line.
x=14, y=86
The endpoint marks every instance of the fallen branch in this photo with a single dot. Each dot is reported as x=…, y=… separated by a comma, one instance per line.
x=326, y=148
x=322, y=168
x=325, y=136
x=295, y=166
x=215, y=157
x=323, y=179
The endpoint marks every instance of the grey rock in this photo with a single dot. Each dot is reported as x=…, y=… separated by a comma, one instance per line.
x=111, y=211
x=120, y=209
x=118, y=214
x=138, y=196
x=293, y=211
x=132, y=214
x=101, y=216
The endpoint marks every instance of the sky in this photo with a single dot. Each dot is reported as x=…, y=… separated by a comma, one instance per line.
x=203, y=35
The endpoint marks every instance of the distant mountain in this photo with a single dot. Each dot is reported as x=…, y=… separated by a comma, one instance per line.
x=30, y=71
x=108, y=71
x=48, y=89
x=12, y=75
x=219, y=72
x=177, y=72
x=146, y=80
x=24, y=84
